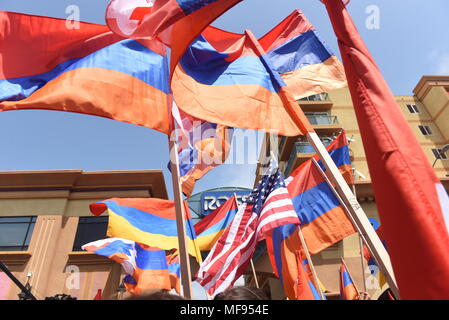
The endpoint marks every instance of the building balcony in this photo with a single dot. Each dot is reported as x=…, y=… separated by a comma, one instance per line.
x=316, y=103
x=302, y=152
x=322, y=123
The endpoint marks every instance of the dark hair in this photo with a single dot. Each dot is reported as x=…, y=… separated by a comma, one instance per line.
x=242, y=293
x=156, y=295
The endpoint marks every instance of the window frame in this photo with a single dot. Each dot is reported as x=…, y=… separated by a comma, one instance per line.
x=413, y=108
x=31, y=224
x=426, y=130
x=439, y=155
x=86, y=221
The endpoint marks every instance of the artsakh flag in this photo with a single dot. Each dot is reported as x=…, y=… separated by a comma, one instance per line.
x=175, y=22
x=412, y=203
x=89, y=70
x=146, y=267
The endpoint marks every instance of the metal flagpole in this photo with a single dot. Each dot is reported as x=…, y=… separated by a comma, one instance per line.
x=355, y=210
x=252, y=262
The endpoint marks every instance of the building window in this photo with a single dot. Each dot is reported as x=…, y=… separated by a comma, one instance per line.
x=439, y=154
x=425, y=130
x=15, y=233
x=413, y=108
x=90, y=229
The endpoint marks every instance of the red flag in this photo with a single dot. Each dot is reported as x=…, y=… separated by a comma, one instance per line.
x=410, y=198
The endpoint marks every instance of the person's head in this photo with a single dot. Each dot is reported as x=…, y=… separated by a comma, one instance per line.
x=156, y=295
x=242, y=293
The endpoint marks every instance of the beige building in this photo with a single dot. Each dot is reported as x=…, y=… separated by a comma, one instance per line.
x=427, y=112
x=44, y=220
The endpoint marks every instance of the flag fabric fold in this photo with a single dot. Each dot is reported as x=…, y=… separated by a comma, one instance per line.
x=175, y=22
x=148, y=221
x=223, y=78
x=202, y=147
x=267, y=207
x=87, y=70
x=411, y=207
x=302, y=58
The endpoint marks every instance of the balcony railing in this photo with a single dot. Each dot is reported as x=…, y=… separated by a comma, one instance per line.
x=302, y=147
x=317, y=97
x=321, y=119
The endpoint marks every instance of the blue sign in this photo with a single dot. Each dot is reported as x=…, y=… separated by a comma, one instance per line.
x=213, y=199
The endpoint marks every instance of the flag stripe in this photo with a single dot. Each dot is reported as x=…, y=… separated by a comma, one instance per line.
x=315, y=202
x=112, y=57
x=308, y=47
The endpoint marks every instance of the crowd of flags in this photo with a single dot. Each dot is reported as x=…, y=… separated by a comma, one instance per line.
x=221, y=81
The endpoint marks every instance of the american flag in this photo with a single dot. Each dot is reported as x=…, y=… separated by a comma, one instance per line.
x=268, y=207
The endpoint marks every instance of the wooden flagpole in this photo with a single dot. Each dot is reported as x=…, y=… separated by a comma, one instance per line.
x=184, y=258
x=252, y=262
x=362, y=259
x=347, y=269
x=309, y=259
x=345, y=207
x=360, y=219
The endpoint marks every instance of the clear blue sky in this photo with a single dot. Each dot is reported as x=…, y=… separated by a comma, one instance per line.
x=410, y=43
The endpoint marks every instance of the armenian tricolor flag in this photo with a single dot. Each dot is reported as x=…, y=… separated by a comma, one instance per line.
x=89, y=70
x=148, y=221
x=339, y=151
x=323, y=219
x=348, y=291
x=302, y=58
x=222, y=78
x=211, y=227
x=234, y=80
